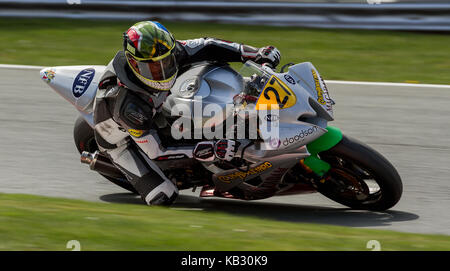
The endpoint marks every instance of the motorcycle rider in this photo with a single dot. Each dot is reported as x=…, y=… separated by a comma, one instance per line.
x=135, y=85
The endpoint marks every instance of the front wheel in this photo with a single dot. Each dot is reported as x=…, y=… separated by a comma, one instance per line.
x=359, y=177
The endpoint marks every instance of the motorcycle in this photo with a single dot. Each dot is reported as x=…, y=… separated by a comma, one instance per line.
x=307, y=156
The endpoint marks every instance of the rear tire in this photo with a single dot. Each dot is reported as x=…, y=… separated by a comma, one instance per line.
x=354, y=168
x=83, y=135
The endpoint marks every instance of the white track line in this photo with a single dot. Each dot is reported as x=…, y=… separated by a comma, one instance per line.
x=387, y=84
x=21, y=67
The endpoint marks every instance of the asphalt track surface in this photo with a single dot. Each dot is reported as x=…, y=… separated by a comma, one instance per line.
x=408, y=125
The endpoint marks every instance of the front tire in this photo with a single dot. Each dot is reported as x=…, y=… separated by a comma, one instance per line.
x=360, y=177
x=83, y=135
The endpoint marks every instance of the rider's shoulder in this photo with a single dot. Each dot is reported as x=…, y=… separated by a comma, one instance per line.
x=191, y=43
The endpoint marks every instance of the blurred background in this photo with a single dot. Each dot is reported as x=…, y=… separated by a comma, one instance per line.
x=431, y=15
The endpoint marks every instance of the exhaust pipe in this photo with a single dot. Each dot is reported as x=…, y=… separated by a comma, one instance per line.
x=100, y=163
x=87, y=157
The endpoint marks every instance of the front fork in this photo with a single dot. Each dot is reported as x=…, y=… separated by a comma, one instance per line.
x=323, y=143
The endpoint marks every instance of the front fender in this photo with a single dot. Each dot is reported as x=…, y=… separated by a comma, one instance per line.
x=327, y=141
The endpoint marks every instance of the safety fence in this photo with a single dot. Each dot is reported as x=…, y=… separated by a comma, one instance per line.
x=424, y=16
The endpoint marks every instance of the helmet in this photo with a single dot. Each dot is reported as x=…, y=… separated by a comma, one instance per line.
x=148, y=48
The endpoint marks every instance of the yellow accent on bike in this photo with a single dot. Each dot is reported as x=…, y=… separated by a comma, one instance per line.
x=136, y=133
x=276, y=95
x=319, y=89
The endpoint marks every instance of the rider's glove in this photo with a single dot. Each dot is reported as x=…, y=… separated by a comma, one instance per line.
x=268, y=54
x=204, y=151
x=208, y=151
x=226, y=149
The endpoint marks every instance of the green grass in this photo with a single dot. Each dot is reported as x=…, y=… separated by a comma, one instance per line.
x=338, y=54
x=41, y=223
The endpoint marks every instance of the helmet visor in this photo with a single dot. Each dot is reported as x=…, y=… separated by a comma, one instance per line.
x=160, y=70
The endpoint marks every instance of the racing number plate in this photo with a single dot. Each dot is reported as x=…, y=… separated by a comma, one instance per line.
x=275, y=95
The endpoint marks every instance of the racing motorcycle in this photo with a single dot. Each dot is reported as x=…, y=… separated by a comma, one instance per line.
x=307, y=156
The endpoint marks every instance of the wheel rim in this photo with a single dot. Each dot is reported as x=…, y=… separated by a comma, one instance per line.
x=351, y=181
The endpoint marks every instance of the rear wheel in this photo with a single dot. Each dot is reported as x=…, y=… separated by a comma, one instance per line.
x=83, y=135
x=360, y=177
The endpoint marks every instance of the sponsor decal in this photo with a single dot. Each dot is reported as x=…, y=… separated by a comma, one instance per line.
x=243, y=174
x=48, y=76
x=319, y=90
x=271, y=117
x=300, y=136
x=142, y=141
x=325, y=94
x=136, y=117
x=171, y=157
x=136, y=133
x=82, y=82
x=289, y=79
x=194, y=43
x=322, y=94
x=275, y=142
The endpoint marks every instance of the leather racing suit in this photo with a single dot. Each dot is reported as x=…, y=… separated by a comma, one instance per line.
x=124, y=110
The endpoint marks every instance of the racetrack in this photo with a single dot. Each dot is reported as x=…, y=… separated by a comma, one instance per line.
x=407, y=124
